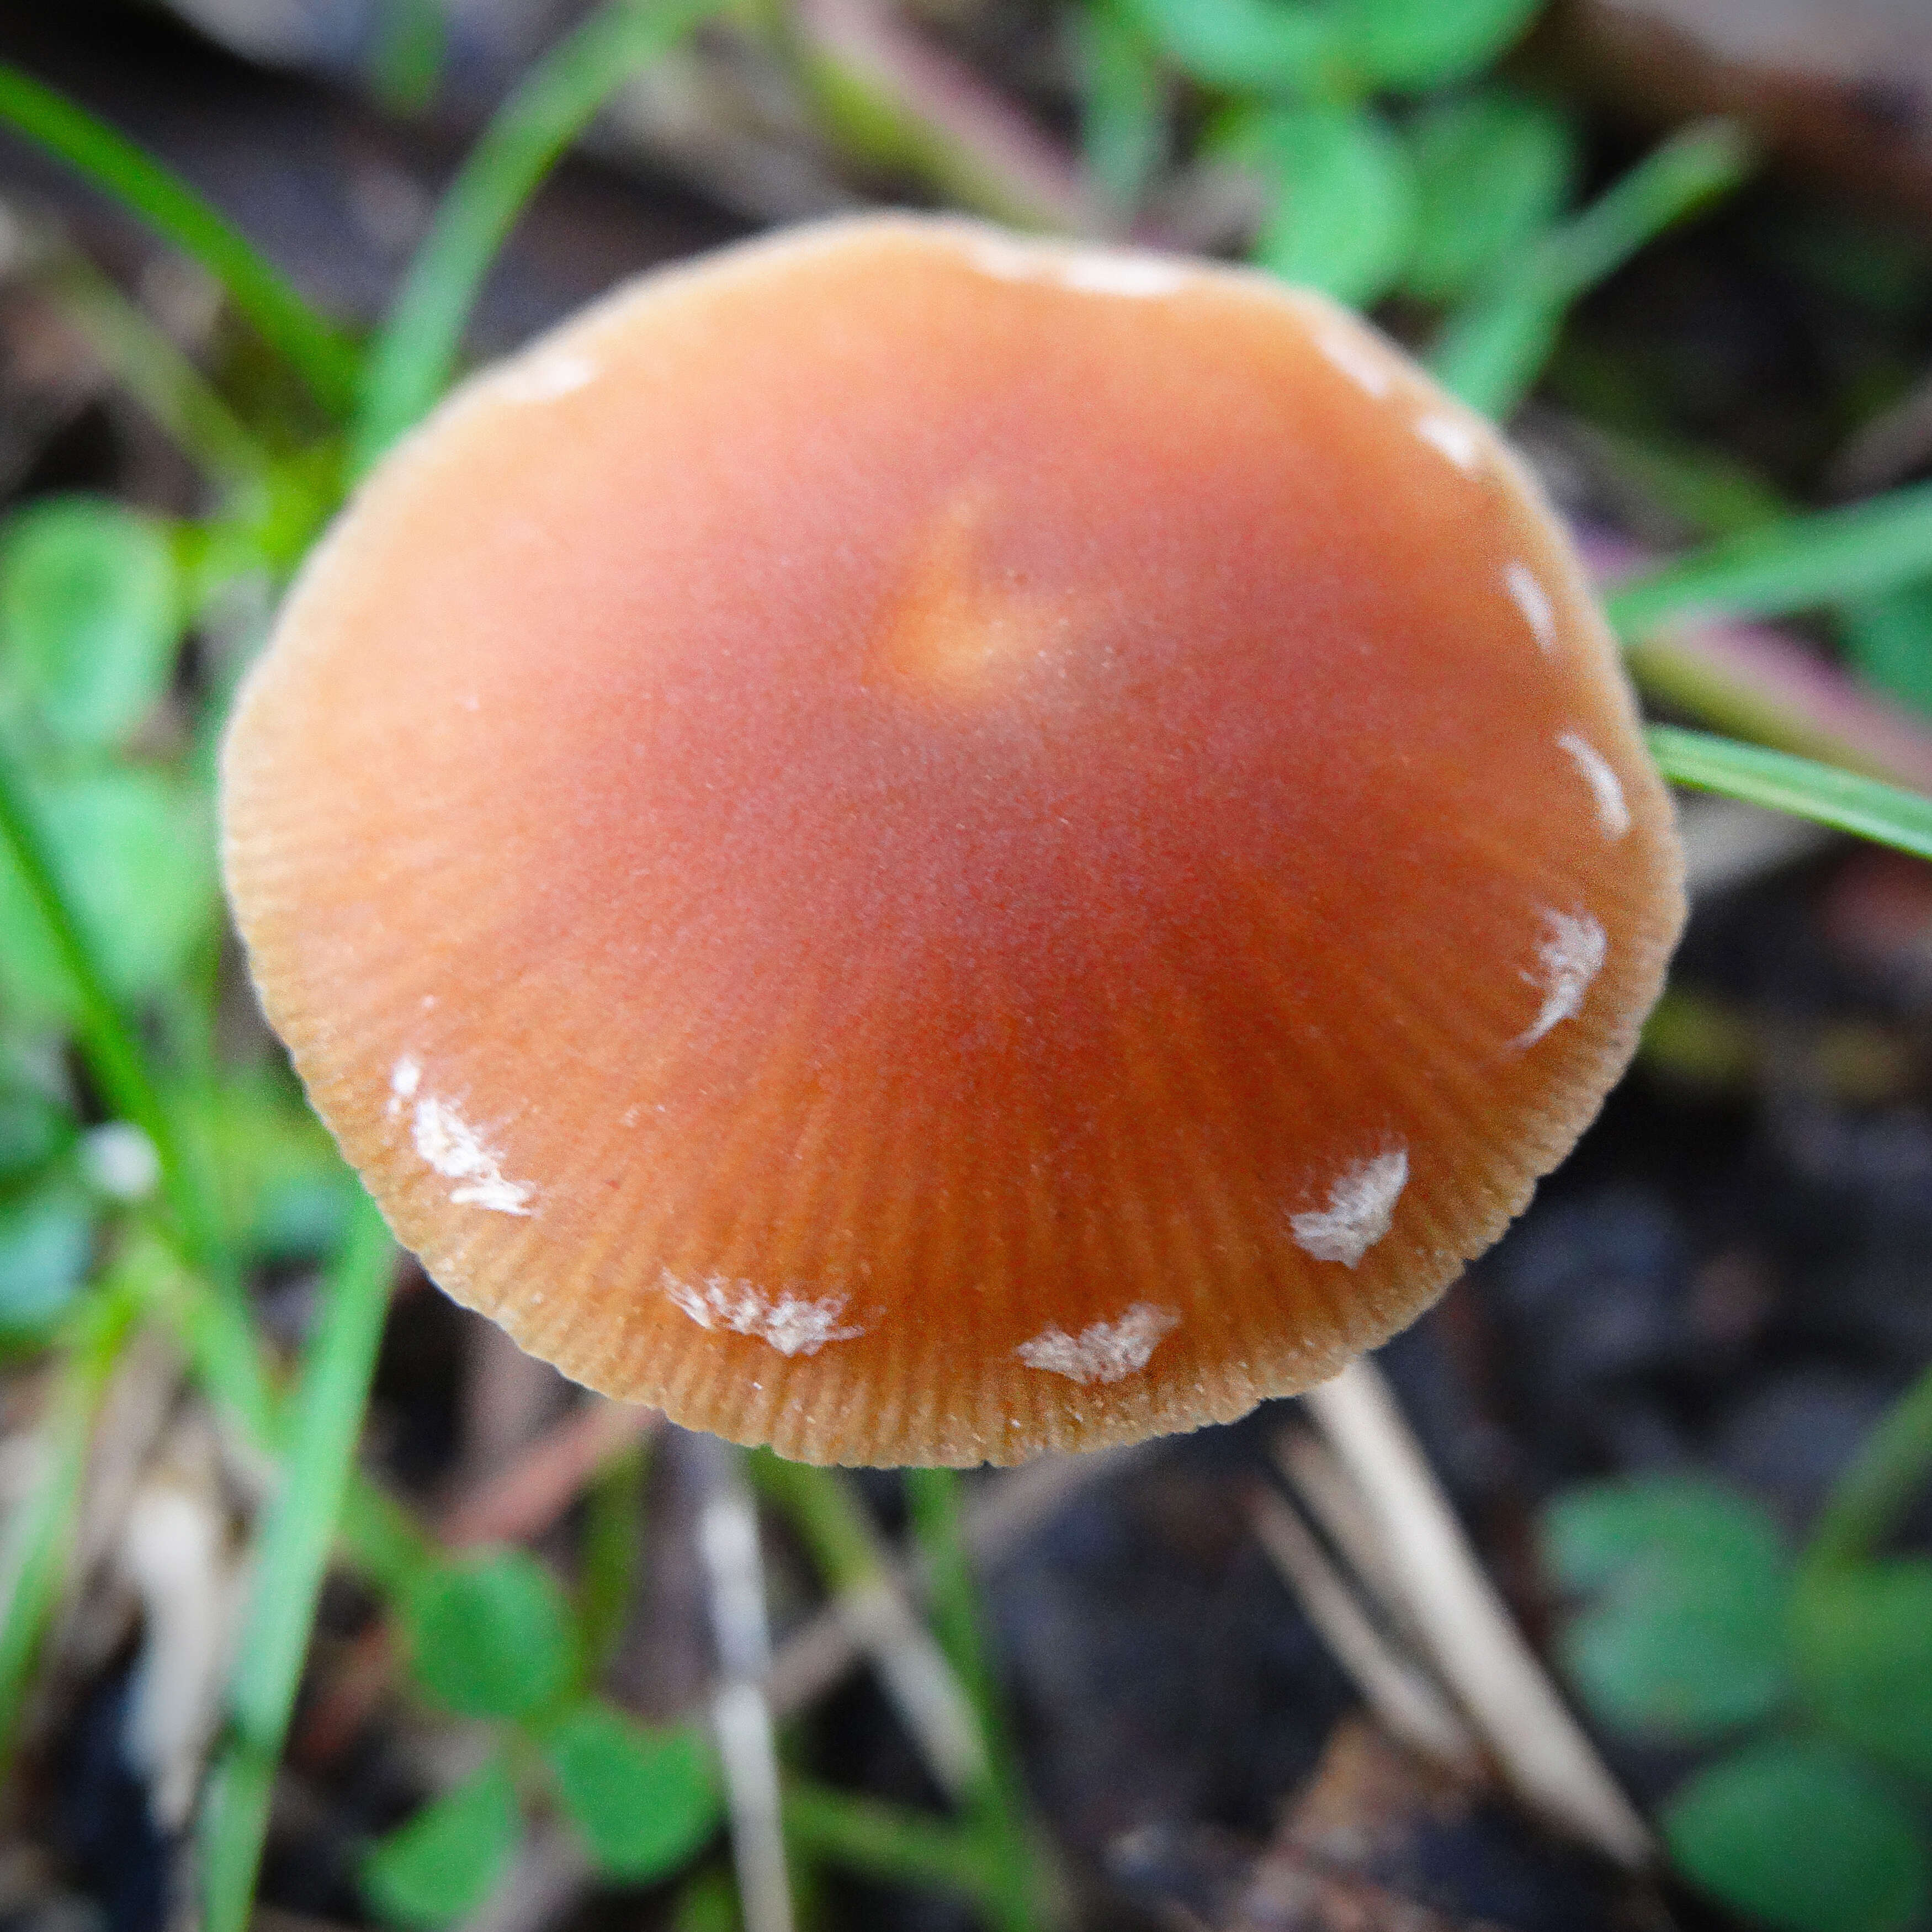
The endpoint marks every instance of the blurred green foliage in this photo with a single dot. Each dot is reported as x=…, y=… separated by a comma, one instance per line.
x=645, y=1800
x=1685, y=1637
x=1802, y=1836
x=445, y=1863
x=1888, y=637
x=1494, y=169
x=490, y=1636
x=90, y=620
x=1695, y=1626
x=1341, y=215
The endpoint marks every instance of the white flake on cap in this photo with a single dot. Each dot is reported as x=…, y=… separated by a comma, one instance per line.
x=405, y=1077
x=1450, y=437
x=1570, y=955
x=1360, y=1209
x=1533, y=601
x=453, y=1147
x=1103, y=1351
x=545, y=377
x=1114, y=272
x=1357, y=358
x=792, y=1324
x=1087, y=271
x=1613, y=812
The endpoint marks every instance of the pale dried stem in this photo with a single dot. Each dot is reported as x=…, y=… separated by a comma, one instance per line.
x=174, y=1553
x=96, y=1609
x=923, y=1687
x=509, y=1398
x=142, y=1394
x=961, y=135
x=821, y=1651
x=1410, y=1709
x=1336, y=1504
x=1728, y=844
x=727, y=1535
x=1887, y=449
x=1474, y=1645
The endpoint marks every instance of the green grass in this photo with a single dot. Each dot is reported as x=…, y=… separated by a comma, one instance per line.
x=1019, y=1878
x=292, y=1551
x=1883, y=1478
x=198, y=1294
x=115, y=1055
x=39, y=1531
x=1886, y=814
x=889, y=1843
x=1797, y=563
x=164, y=381
x=1492, y=349
x=319, y=354
x=415, y=356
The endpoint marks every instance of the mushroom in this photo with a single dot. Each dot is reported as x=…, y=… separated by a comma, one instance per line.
x=923, y=847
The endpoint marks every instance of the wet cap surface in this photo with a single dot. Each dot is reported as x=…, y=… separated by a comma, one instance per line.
x=924, y=847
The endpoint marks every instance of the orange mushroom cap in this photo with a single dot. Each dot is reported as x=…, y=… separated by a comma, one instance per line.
x=924, y=847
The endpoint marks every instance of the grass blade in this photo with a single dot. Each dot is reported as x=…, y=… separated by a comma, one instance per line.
x=1886, y=1473
x=412, y=362
x=886, y=1842
x=1020, y=1885
x=379, y=1536
x=1684, y=175
x=1124, y=103
x=1493, y=349
x=913, y=1670
x=934, y=1502
x=114, y=1054
x=405, y=63
x=1846, y=801
x=324, y=359
x=293, y=1552
x=1792, y=564
x=144, y=361
x=40, y=1532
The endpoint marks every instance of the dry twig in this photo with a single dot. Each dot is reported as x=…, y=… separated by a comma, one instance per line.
x=728, y=1533
x=524, y=1498
x=1472, y=1641
x=1007, y=1510
x=1410, y=1707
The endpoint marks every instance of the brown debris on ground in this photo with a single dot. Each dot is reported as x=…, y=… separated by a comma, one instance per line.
x=1378, y=1840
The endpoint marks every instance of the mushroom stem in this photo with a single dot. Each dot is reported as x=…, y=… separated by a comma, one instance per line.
x=727, y=1535
x=1475, y=1645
